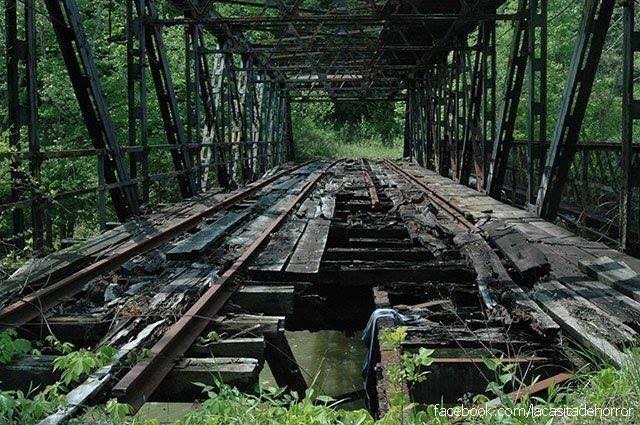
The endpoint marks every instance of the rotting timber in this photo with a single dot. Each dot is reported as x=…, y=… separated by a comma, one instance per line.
x=339, y=240
x=260, y=245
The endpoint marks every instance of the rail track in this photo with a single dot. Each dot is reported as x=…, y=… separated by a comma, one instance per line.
x=312, y=247
x=36, y=303
x=136, y=387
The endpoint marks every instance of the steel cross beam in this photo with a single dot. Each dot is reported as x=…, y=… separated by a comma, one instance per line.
x=595, y=24
x=70, y=33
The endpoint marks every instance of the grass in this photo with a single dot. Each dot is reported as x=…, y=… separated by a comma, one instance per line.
x=315, y=141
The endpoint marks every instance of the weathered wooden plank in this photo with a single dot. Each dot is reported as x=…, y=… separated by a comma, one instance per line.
x=248, y=325
x=614, y=273
x=251, y=347
x=378, y=272
x=530, y=263
x=585, y=322
x=273, y=300
x=305, y=260
x=392, y=254
x=201, y=242
x=277, y=252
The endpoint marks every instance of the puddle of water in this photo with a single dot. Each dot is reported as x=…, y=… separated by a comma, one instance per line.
x=332, y=358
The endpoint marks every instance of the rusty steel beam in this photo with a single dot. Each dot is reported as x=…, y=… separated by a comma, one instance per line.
x=373, y=193
x=138, y=385
x=36, y=303
x=444, y=204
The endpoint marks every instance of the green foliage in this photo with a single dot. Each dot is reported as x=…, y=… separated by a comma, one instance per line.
x=392, y=338
x=11, y=346
x=226, y=406
x=117, y=411
x=321, y=130
x=137, y=355
x=57, y=345
x=79, y=364
x=211, y=337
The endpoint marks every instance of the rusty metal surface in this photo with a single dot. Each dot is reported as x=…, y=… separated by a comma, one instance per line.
x=37, y=303
x=435, y=197
x=137, y=385
x=373, y=193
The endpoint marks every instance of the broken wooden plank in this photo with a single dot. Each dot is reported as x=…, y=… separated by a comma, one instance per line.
x=529, y=262
x=180, y=385
x=80, y=396
x=496, y=286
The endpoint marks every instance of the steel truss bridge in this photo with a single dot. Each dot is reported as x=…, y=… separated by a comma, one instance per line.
x=247, y=61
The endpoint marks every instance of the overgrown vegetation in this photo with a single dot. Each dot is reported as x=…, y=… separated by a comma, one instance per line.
x=600, y=387
x=327, y=130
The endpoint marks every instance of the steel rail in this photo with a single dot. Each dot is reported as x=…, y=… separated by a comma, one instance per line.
x=141, y=381
x=33, y=305
x=373, y=193
x=457, y=213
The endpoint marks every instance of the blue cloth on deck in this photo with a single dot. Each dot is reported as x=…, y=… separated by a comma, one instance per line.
x=370, y=336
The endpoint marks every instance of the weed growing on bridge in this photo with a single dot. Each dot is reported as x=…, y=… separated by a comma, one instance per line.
x=601, y=386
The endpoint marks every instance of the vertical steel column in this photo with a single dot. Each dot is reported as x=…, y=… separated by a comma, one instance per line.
x=508, y=114
x=193, y=98
x=22, y=74
x=14, y=51
x=537, y=104
x=407, y=151
x=33, y=130
x=489, y=94
x=291, y=153
x=472, y=148
x=137, y=92
x=218, y=105
x=167, y=101
x=78, y=58
x=630, y=113
x=452, y=117
x=430, y=154
x=586, y=56
x=210, y=127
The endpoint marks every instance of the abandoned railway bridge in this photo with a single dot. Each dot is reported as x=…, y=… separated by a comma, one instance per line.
x=474, y=239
